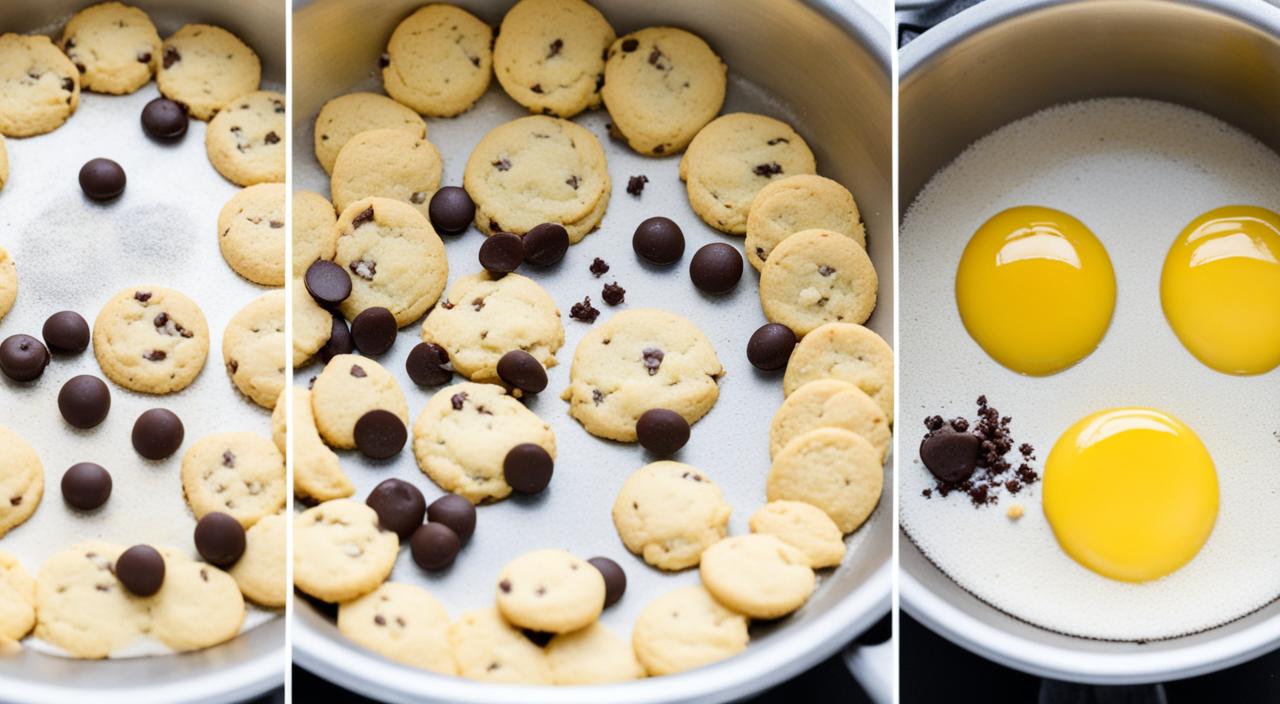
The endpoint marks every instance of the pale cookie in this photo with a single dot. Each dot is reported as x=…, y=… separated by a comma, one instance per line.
x=253, y=349
x=205, y=68
x=251, y=233
x=638, y=360
x=796, y=203
x=260, y=570
x=489, y=649
x=348, y=115
x=833, y=469
x=151, y=339
x=804, y=527
x=312, y=325
x=245, y=141
x=80, y=605
x=402, y=622
x=464, y=434
x=816, y=277
x=735, y=156
x=348, y=388
x=830, y=403
x=662, y=85
x=388, y=163
x=8, y=281
x=280, y=423
x=340, y=552
x=17, y=599
x=668, y=513
x=199, y=605
x=757, y=575
x=114, y=47
x=686, y=629
x=538, y=169
x=593, y=655
x=549, y=55
x=395, y=258
x=39, y=86
x=21, y=480
x=317, y=474
x=550, y=591
x=483, y=318
x=846, y=352
x=315, y=231
x=4, y=168
x=240, y=474
x=438, y=60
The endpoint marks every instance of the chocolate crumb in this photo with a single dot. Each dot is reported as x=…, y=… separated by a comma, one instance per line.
x=635, y=184
x=994, y=474
x=599, y=267
x=768, y=170
x=584, y=311
x=613, y=294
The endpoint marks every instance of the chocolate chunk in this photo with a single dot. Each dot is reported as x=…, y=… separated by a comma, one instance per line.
x=630, y=44
x=220, y=539
x=384, y=60
x=434, y=546
x=501, y=253
x=328, y=283
x=143, y=57
x=66, y=331
x=374, y=331
x=502, y=164
x=425, y=364
x=399, y=505
x=662, y=432
x=358, y=371
x=380, y=434
x=536, y=88
x=545, y=244
x=455, y=512
x=451, y=210
x=170, y=56
x=652, y=359
x=340, y=341
x=365, y=216
x=521, y=370
x=555, y=48
x=84, y=401
x=951, y=455
x=658, y=240
x=271, y=138
x=770, y=346
x=584, y=311
x=68, y=85
x=364, y=267
x=716, y=268
x=615, y=580
x=141, y=570
x=157, y=433
x=86, y=486
x=613, y=294
x=102, y=179
x=164, y=119
x=457, y=400
x=599, y=267
x=635, y=184
x=23, y=357
x=528, y=468
x=768, y=170
x=155, y=355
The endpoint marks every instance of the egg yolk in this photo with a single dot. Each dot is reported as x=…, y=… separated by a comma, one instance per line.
x=1035, y=289
x=1131, y=493
x=1220, y=289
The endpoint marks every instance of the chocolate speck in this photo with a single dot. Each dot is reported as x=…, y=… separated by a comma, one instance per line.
x=768, y=170
x=358, y=371
x=613, y=294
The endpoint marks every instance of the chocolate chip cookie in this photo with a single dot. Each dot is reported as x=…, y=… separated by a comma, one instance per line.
x=151, y=339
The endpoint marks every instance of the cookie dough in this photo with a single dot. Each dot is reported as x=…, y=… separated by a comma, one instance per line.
x=833, y=469
x=816, y=277
x=550, y=591
x=17, y=599
x=348, y=115
x=239, y=474
x=489, y=649
x=395, y=258
x=402, y=622
x=39, y=86
x=253, y=349
x=260, y=570
x=662, y=85
x=538, y=169
x=757, y=575
x=245, y=140
x=251, y=233
x=483, y=318
x=115, y=47
x=438, y=61
x=205, y=68
x=151, y=339
x=686, y=629
x=464, y=434
x=735, y=156
x=312, y=325
x=668, y=513
x=796, y=203
x=830, y=403
x=315, y=231
x=317, y=474
x=389, y=163
x=638, y=360
x=847, y=352
x=199, y=605
x=804, y=527
x=8, y=280
x=340, y=552
x=549, y=55
x=592, y=655
x=348, y=388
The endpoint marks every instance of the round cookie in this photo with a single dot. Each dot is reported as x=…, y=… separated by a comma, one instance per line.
x=735, y=156
x=205, y=68
x=686, y=629
x=317, y=474
x=757, y=575
x=389, y=163
x=17, y=599
x=239, y=474
x=251, y=233
x=41, y=87
x=833, y=469
x=668, y=513
x=489, y=649
x=804, y=527
x=21, y=480
x=8, y=282
x=592, y=655
x=312, y=325
x=538, y=169
x=245, y=141
x=260, y=570
x=829, y=403
x=846, y=352
x=115, y=47
x=253, y=349
x=638, y=360
x=340, y=552
x=151, y=339
x=348, y=115
x=315, y=231
x=816, y=277
x=395, y=258
x=549, y=55
x=797, y=203
x=402, y=622
x=438, y=60
x=662, y=85
x=483, y=318
x=348, y=388
x=80, y=605
x=462, y=438
x=550, y=591
x=199, y=605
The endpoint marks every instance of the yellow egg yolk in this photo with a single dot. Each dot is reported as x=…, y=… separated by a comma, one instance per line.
x=1131, y=493
x=1035, y=289
x=1220, y=289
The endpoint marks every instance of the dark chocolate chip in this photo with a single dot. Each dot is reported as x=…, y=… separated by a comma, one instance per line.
x=615, y=580
x=584, y=311
x=339, y=340
x=84, y=401
x=157, y=433
x=66, y=331
x=380, y=434
x=768, y=170
x=358, y=371
x=141, y=570
x=613, y=294
x=521, y=370
x=271, y=138
x=951, y=455
x=86, y=486
x=399, y=505
x=716, y=268
x=220, y=539
x=425, y=364
x=528, y=468
x=102, y=179
x=659, y=240
x=384, y=60
x=365, y=216
x=501, y=253
x=164, y=119
x=545, y=244
x=599, y=267
x=458, y=400
x=170, y=56
x=23, y=357
x=328, y=283
x=374, y=331
x=635, y=184
x=770, y=346
x=434, y=546
x=455, y=512
x=662, y=432
x=555, y=47
x=630, y=44
x=143, y=57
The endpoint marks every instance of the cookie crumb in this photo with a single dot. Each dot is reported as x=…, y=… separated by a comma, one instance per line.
x=613, y=294
x=635, y=184
x=584, y=311
x=1015, y=512
x=599, y=267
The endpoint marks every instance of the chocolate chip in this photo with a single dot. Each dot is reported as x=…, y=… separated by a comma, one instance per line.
x=655, y=57
x=613, y=294
x=502, y=164
x=615, y=580
x=716, y=268
x=770, y=346
x=768, y=170
x=630, y=44
x=68, y=85
x=155, y=355
x=141, y=570
x=662, y=431
x=328, y=283
x=635, y=184
x=425, y=364
x=584, y=311
x=339, y=340
x=951, y=455
x=599, y=267
x=778, y=140
x=364, y=267
x=457, y=400
x=380, y=434
x=545, y=244
x=23, y=357
x=418, y=197
x=536, y=88
x=66, y=331
x=521, y=370
x=399, y=505
x=358, y=371
x=271, y=138
x=528, y=468
x=86, y=486
x=164, y=119
x=102, y=179
x=658, y=240
x=572, y=181
x=374, y=331
x=170, y=56
x=384, y=60
x=455, y=512
x=143, y=57
x=220, y=539
x=501, y=253
x=84, y=401
x=157, y=433
x=555, y=48
x=652, y=359
x=434, y=546
x=365, y=216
